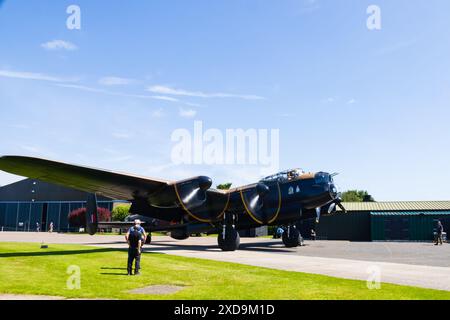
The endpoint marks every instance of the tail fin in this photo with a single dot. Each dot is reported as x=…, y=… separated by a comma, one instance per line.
x=91, y=214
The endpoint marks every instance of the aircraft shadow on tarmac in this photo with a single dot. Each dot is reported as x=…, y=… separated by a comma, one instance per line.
x=253, y=246
x=155, y=248
x=175, y=245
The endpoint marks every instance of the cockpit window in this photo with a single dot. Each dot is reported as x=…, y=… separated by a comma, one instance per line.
x=322, y=177
x=284, y=176
x=293, y=174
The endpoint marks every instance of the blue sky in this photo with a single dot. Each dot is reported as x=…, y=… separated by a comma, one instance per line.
x=371, y=105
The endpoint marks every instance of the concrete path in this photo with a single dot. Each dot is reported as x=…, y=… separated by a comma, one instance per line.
x=334, y=258
x=414, y=275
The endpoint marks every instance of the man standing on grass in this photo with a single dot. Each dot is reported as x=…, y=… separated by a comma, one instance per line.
x=140, y=229
x=134, y=239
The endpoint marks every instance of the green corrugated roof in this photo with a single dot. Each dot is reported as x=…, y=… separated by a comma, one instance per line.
x=398, y=206
x=409, y=213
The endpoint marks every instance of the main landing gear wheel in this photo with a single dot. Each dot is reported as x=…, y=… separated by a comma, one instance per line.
x=228, y=239
x=291, y=237
x=231, y=240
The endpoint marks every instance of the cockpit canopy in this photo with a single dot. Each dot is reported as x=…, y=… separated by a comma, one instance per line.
x=284, y=175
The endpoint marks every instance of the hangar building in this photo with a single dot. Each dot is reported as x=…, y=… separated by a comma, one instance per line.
x=29, y=202
x=383, y=221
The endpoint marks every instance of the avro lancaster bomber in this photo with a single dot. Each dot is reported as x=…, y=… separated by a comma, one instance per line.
x=192, y=206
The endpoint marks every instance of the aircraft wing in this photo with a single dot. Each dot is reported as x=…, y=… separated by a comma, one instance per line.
x=107, y=183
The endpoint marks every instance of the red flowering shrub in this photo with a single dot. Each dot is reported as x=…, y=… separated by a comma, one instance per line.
x=77, y=217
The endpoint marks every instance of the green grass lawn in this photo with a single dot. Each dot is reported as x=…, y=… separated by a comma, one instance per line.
x=27, y=269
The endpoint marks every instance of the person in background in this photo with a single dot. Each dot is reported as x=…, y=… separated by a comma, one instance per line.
x=279, y=232
x=38, y=227
x=50, y=227
x=439, y=232
x=313, y=235
x=134, y=240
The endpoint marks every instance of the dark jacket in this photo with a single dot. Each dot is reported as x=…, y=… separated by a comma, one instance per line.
x=134, y=238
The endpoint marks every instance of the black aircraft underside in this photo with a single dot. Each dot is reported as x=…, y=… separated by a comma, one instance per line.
x=191, y=206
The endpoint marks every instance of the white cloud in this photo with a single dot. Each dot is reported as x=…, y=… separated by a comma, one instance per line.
x=165, y=98
x=80, y=87
x=113, y=93
x=33, y=76
x=114, y=81
x=190, y=104
x=329, y=100
x=159, y=113
x=59, y=45
x=198, y=94
x=339, y=99
x=187, y=113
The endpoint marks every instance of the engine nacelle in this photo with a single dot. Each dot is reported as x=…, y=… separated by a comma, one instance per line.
x=192, y=192
x=194, y=197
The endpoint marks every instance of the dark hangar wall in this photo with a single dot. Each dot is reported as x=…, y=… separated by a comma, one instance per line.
x=343, y=226
x=34, y=190
x=354, y=226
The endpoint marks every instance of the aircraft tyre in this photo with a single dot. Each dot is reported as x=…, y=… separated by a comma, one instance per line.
x=291, y=237
x=231, y=241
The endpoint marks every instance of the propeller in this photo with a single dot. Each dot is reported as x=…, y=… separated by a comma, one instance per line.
x=333, y=205
x=339, y=203
x=318, y=210
x=332, y=208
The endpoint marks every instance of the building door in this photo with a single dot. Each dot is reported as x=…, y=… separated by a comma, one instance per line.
x=44, y=217
x=396, y=228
